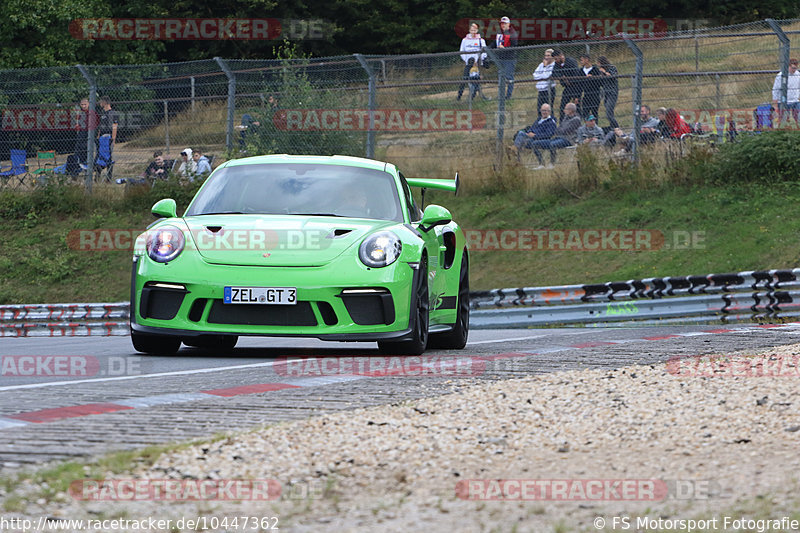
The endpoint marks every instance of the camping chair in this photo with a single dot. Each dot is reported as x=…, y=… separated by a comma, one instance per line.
x=19, y=167
x=47, y=164
x=103, y=160
x=762, y=117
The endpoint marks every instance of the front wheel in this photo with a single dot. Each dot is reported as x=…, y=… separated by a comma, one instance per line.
x=420, y=313
x=456, y=338
x=155, y=344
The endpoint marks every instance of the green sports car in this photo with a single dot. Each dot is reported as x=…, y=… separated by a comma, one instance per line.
x=329, y=247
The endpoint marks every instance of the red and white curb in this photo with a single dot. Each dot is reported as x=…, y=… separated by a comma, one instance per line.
x=76, y=411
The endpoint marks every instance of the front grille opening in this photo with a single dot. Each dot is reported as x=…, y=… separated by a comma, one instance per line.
x=159, y=303
x=196, y=312
x=369, y=307
x=300, y=314
x=328, y=314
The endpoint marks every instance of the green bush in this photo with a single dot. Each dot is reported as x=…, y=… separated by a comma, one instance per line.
x=768, y=157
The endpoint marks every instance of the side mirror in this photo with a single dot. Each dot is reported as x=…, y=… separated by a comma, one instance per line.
x=434, y=215
x=166, y=208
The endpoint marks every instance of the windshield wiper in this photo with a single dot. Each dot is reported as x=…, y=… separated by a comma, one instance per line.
x=317, y=214
x=222, y=213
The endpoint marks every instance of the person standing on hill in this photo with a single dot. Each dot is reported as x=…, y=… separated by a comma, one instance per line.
x=504, y=42
x=566, y=70
x=591, y=87
x=472, y=44
x=792, y=93
x=610, y=88
x=545, y=86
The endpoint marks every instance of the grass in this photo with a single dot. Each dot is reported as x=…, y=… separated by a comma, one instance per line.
x=738, y=227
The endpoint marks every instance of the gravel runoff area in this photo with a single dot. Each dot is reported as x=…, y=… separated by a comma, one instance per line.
x=722, y=440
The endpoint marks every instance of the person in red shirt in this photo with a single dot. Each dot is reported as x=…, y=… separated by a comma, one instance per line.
x=677, y=126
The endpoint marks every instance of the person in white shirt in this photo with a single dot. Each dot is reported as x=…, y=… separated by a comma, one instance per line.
x=792, y=93
x=473, y=43
x=544, y=81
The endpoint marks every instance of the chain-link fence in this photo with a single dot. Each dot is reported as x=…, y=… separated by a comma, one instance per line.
x=431, y=114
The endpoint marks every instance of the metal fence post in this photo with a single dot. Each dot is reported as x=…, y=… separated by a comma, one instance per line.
x=231, y=101
x=501, y=106
x=372, y=104
x=637, y=94
x=785, y=49
x=90, y=126
x=166, y=126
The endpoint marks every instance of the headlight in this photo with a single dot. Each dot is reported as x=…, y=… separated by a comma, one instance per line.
x=165, y=243
x=380, y=250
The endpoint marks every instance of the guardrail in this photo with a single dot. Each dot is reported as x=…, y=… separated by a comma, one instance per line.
x=752, y=296
x=64, y=320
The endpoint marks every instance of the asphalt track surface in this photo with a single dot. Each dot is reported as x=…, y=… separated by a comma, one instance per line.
x=75, y=397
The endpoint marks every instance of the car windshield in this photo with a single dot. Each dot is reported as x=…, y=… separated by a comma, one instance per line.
x=300, y=189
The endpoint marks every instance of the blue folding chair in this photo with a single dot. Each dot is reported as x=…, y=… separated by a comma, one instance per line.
x=762, y=116
x=19, y=167
x=103, y=160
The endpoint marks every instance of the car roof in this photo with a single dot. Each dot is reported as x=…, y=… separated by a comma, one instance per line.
x=342, y=160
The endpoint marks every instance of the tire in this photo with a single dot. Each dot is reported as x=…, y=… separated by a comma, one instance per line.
x=420, y=314
x=456, y=338
x=155, y=344
x=212, y=342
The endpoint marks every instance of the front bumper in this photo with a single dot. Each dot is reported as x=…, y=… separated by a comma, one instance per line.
x=343, y=300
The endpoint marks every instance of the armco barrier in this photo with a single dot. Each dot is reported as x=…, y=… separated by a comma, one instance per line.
x=64, y=320
x=753, y=296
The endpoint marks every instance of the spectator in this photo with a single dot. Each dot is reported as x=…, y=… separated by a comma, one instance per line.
x=792, y=92
x=272, y=102
x=590, y=132
x=663, y=130
x=202, y=165
x=188, y=167
x=610, y=88
x=472, y=43
x=545, y=85
x=157, y=169
x=590, y=86
x=109, y=121
x=675, y=124
x=648, y=132
x=565, y=135
x=82, y=125
x=248, y=127
x=507, y=59
x=566, y=70
x=543, y=128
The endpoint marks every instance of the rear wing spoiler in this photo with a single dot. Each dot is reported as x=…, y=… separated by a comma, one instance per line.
x=435, y=183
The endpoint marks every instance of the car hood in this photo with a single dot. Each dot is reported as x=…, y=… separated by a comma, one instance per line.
x=277, y=240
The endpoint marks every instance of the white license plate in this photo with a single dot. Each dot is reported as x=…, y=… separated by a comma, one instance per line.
x=260, y=295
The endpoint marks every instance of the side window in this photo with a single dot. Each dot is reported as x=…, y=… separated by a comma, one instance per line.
x=414, y=213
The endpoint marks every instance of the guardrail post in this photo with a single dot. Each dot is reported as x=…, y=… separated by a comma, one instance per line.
x=372, y=105
x=231, y=100
x=785, y=48
x=637, y=94
x=90, y=126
